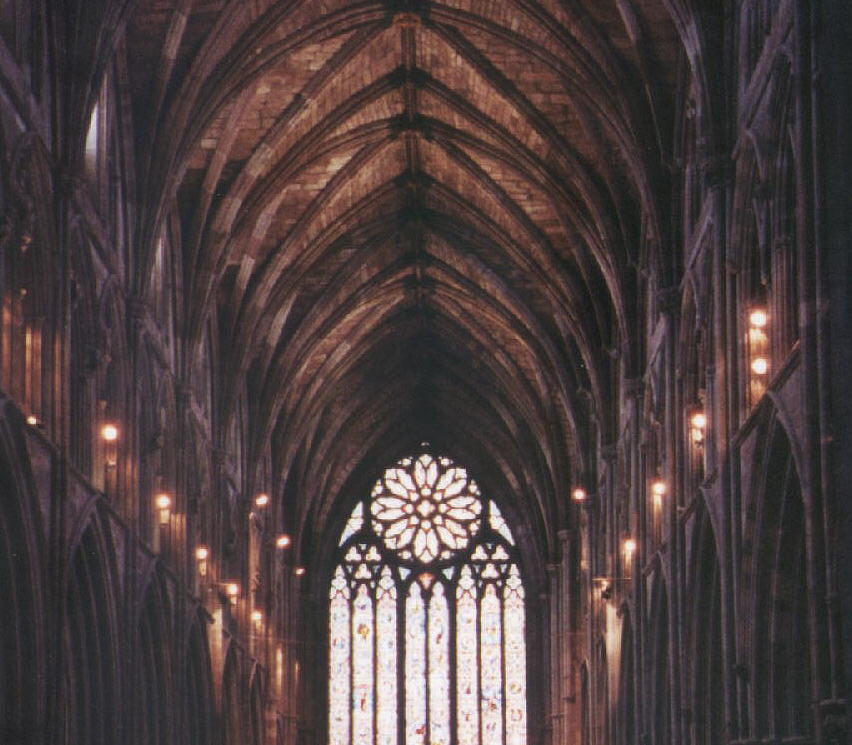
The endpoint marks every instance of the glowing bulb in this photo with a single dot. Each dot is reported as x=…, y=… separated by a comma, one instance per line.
x=699, y=421
x=299, y=571
x=629, y=549
x=658, y=488
x=283, y=541
x=760, y=365
x=579, y=494
x=256, y=616
x=758, y=318
x=109, y=432
x=201, y=554
x=232, y=590
x=163, y=503
x=261, y=500
x=32, y=421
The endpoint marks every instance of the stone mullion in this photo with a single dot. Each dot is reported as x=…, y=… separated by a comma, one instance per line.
x=56, y=577
x=638, y=498
x=676, y=462
x=609, y=569
x=555, y=634
x=814, y=330
x=566, y=633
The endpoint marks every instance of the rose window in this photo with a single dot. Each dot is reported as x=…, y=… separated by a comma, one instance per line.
x=426, y=508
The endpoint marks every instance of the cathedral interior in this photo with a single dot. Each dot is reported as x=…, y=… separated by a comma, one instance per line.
x=412, y=372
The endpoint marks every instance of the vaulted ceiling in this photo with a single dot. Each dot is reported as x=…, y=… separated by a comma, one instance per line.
x=411, y=221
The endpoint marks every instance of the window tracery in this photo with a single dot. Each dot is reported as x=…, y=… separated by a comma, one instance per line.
x=427, y=615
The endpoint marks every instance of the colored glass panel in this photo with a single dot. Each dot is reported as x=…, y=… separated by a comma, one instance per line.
x=439, y=668
x=363, y=680
x=354, y=524
x=491, y=683
x=339, y=659
x=415, y=667
x=498, y=524
x=467, y=670
x=516, y=664
x=386, y=660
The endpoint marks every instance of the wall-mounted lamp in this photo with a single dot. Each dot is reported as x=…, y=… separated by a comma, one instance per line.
x=697, y=426
x=32, y=420
x=283, y=541
x=758, y=318
x=299, y=571
x=109, y=432
x=201, y=555
x=629, y=549
x=163, y=503
x=261, y=500
x=232, y=590
x=760, y=365
x=658, y=491
x=257, y=617
x=758, y=352
x=578, y=494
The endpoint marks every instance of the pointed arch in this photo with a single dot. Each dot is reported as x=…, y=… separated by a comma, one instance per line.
x=426, y=631
x=777, y=592
x=658, y=676
x=22, y=634
x=705, y=634
x=627, y=721
x=91, y=678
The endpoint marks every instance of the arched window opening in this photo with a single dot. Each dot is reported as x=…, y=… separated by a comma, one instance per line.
x=427, y=616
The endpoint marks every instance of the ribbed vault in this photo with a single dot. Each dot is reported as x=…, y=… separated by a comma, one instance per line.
x=411, y=221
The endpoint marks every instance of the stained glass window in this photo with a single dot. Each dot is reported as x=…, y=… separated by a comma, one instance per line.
x=426, y=615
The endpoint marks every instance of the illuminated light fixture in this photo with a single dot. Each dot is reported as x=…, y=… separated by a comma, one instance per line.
x=32, y=420
x=201, y=555
x=261, y=500
x=163, y=503
x=109, y=433
x=283, y=541
x=760, y=365
x=758, y=318
x=697, y=425
x=578, y=494
x=658, y=490
x=299, y=571
x=232, y=590
x=629, y=548
x=257, y=617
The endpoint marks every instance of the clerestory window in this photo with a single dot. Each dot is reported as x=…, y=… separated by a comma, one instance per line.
x=426, y=616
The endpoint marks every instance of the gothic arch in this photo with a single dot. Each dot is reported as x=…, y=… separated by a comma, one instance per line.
x=154, y=663
x=91, y=678
x=777, y=597
x=586, y=706
x=658, y=672
x=601, y=706
x=22, y=634
x=234, y=710
x=256, y=705
x=626, y=711
x=707, y=707
x=196, y=681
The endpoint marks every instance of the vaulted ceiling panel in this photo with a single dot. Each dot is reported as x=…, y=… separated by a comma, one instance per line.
x=431, y=212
